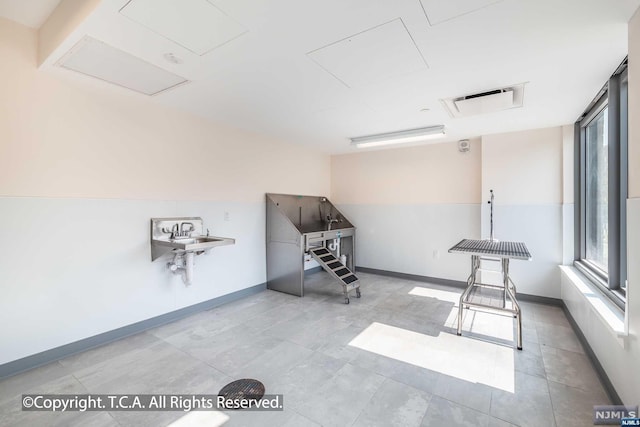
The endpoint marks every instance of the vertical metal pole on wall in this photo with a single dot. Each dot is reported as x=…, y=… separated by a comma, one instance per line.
x=491, y=203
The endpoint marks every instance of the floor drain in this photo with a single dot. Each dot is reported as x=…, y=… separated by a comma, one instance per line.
x=245, y=388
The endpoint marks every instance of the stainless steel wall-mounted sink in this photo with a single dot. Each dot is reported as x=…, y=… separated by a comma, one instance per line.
x=196, y=244
x=184, y=234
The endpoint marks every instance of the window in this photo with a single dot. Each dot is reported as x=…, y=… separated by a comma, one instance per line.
x=597, y=188
x=601, y=188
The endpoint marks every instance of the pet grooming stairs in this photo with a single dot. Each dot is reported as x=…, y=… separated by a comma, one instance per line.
x=335, y=268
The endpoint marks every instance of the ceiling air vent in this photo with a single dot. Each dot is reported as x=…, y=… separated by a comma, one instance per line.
x=485, y=102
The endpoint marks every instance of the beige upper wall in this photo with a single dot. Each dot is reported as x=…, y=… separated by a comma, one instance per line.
x=435, y=173
x=64, y=19
x=524, y=168
x=60, y=140
x=634, y=105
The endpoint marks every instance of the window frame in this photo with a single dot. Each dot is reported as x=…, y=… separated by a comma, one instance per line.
x=613, y=97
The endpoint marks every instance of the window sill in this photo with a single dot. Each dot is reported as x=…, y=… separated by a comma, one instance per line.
x=608, y=312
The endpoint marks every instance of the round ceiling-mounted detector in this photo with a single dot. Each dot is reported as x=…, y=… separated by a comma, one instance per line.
x=463, y=145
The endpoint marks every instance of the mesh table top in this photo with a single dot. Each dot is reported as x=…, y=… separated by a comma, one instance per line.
x=515, y=250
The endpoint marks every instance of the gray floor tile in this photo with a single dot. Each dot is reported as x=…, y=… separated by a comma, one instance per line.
x=339, y=401
x=472, y=395
x=570, y=368
x=528, y=405
x=106, y=352
x=530, y=334
x=206, y=323
x=313, y=334
x=414, y=376
x=394, y=404
x=21, y=383
x=558, y=337
x=269, y=367
x=146, y=419
x=11, y=413
x=442, y=412
x=529, y=359
x=546, y=314
x=573, y=407
x=276, y=315
x=337, y=344
x=245, y=352
x=159, y=368
x=207, y=347
x=301, y=382
x=396, y=302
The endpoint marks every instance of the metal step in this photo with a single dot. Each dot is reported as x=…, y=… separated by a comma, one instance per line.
x=337, y=270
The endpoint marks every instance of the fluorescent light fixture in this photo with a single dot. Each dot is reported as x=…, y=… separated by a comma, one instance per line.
x=400, y=137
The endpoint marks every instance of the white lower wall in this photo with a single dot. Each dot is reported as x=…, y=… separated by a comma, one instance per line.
x=619, y=359
x=540, y=228
x=73, y=268
x=413, y=239
x=568, y=241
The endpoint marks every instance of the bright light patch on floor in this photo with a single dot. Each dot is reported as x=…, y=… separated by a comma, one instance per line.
x=201, y=419
x=436, y=293
x=486, y=324
x=460, y=357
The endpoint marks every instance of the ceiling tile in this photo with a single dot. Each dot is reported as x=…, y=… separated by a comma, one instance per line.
x=376, y=54
x=196, y=25
x=438, y=11
x=97, y=59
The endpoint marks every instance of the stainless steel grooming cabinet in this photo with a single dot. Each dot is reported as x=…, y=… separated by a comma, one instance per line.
x=294, y=225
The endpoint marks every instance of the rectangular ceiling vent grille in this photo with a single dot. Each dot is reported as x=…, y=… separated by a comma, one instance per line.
x=489, y=101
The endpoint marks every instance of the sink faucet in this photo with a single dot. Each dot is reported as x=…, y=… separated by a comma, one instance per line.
x=330, y=221
x=180, y=230
x=183, y=232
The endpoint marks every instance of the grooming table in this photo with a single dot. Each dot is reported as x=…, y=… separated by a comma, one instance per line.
x=488, y=250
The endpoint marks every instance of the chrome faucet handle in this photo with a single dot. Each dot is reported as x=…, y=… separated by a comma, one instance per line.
x=207, y=232
x=190, y=229
x=173, y=232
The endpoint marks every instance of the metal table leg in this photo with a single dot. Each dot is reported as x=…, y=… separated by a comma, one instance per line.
x=471, y=281
x=508, y=291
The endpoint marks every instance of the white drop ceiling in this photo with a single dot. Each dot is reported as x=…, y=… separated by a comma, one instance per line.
x=293, y=74
x=197, y=25
x=438, y=11
x=376, y=54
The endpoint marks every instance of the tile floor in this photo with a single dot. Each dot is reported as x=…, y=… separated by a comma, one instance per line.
x=390, y=358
